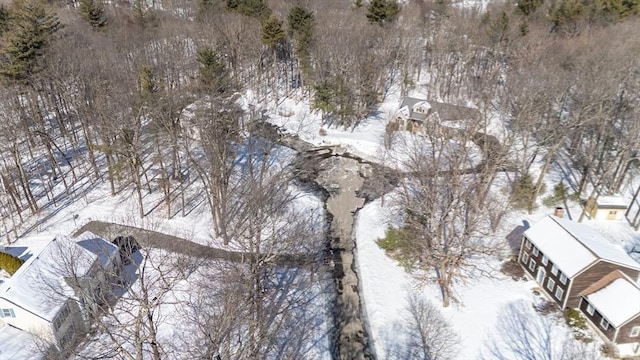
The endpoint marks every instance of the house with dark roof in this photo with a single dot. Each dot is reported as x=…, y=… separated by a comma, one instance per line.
x=414, y=113
x=577, y=268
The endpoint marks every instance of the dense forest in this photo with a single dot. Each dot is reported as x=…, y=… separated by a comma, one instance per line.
x=143, y=95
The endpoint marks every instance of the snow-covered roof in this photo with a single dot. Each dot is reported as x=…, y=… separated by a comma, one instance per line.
x=410, y=102
x=573, y=246
x=618, y=302
x=569, y=255
x=16, y=344
x=615, y=202
x=105, y=250
x=601, y=246
x=39, y=286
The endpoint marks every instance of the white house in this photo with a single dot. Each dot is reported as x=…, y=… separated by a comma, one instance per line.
x=54, y=292
x=16, y=344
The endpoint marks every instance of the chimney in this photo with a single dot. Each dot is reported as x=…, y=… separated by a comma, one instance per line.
x=558, y=212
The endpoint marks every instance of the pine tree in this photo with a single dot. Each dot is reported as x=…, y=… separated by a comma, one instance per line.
x=93, y=12
x=4, y=19
x=566, y=15
x=527, y=7
x=323, y=98
x=213, y=74
x=301, y=25
x=272, y=31
x=382, y=11
x=300, y=20
x=30, y=29
x=255, y=8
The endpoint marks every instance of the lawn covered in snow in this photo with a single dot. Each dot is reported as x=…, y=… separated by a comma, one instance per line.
x=479, y=320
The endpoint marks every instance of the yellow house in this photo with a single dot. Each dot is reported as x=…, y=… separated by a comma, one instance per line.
x=607, y=208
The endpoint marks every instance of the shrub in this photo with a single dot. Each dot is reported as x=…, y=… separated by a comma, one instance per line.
x=396, y=246
x=609, y=350
x=578, y=325
x=10, y=263
x=322, y=132
x=574, y=319
x=391, y=241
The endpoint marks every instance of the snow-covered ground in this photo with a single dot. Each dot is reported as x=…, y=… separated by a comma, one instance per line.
x=484, y=300
x=386, y=287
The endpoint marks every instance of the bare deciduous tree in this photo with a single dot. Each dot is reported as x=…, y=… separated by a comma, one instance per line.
x=521, y=333
x=444, y=200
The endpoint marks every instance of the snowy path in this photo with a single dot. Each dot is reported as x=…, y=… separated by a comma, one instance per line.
x=153, y=239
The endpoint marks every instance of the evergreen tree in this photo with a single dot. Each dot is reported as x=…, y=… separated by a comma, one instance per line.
x=323, y=97
x=382, y=11
x=4, y=19
x=255, y=8
x=300, y=20
x=31, y=26
x=213, y=74
x=272, y=31
x=527, y=7
x=93, y=12
x=301, y=25
x=566, y=15
x=148, y=82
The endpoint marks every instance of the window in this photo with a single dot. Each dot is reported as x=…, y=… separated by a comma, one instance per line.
x=525, y=258
x=62, y=316
x=536, y=252
x=613, y=212
x=554, y=270
x=563, y=279
x=635, y=331
x=590, y=309
x=559, y=293
x=68, y=335
x=550, y=284
x=604, y=323
x=545, y=259
x=7, y=313
x=527, y=244
x=532, y=264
